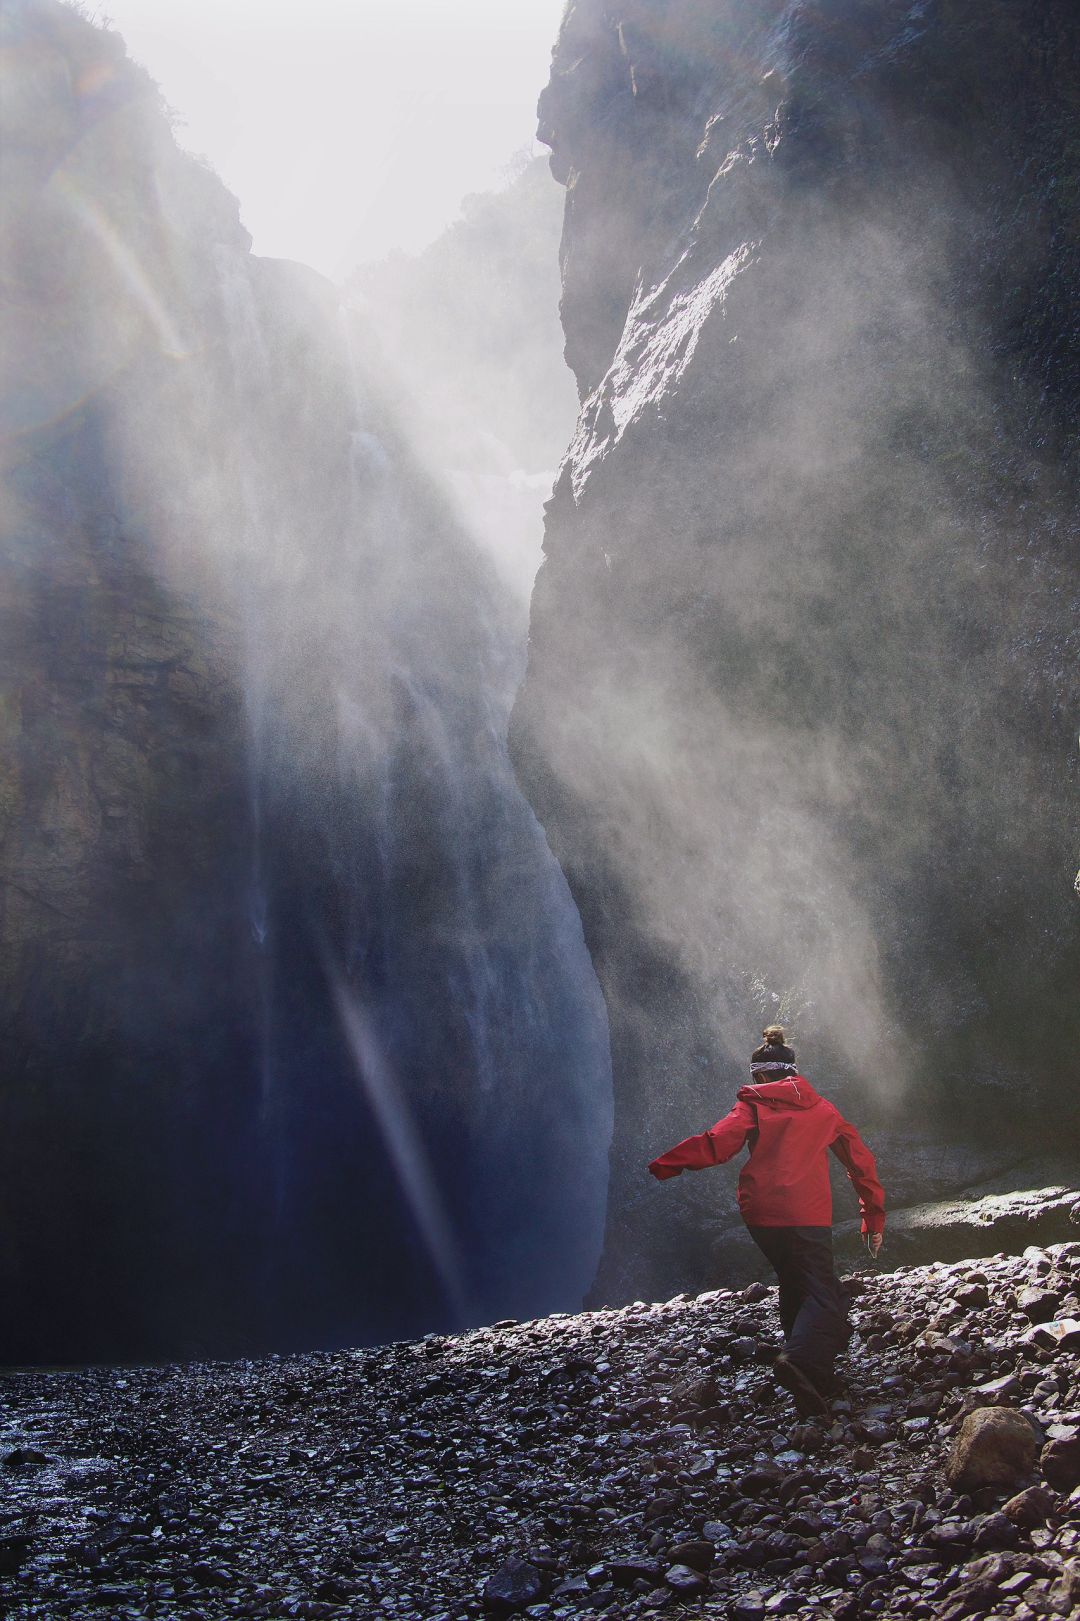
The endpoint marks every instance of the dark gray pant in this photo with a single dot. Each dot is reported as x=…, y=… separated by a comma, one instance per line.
x=813, y=1310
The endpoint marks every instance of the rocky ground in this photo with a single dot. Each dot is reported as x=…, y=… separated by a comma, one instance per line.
x=614, y=1462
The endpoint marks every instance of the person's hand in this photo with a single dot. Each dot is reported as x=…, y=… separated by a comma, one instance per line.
x=662, y=1172
x=873, y=1243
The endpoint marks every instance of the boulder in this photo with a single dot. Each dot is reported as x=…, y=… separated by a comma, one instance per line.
x=1060, y=1463
x=996, y=1446
x=1038, y=1305
x=686, y=1581
x=514, y=1586
x=1031, y=1507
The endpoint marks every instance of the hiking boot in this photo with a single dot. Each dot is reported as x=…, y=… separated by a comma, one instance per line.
x=809, y=1402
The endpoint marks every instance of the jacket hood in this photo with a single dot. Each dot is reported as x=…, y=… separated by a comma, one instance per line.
x=793, y=1093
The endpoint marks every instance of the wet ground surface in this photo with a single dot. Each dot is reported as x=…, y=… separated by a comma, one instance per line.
x=607, y=1463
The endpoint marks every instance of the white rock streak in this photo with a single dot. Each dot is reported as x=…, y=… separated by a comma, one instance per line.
x=663, y=328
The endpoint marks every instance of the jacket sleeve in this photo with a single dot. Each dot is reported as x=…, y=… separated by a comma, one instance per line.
x=710, y=1147
x=859, y=1163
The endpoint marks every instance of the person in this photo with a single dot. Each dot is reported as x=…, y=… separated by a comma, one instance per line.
x=786, y=1201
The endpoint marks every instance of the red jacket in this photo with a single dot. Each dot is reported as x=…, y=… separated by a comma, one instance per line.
x=785, y=1182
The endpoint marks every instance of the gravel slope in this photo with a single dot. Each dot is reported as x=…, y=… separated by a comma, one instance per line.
x=612, y=1462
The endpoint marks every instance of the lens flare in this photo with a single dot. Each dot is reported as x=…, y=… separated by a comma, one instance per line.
x=410, y=1161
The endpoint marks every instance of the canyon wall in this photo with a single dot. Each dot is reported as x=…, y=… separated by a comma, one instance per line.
x=799, y=717
x=302, y=1043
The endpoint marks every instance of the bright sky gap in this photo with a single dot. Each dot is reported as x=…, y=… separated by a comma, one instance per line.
x=347, y=130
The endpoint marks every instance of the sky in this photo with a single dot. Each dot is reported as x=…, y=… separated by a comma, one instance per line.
x=347, y=128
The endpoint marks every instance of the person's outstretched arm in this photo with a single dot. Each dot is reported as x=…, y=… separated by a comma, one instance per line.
x=710, y=1147
x=860, y=1165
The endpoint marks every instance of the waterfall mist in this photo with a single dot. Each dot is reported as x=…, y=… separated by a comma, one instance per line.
x=469, y=331
x=317, y=1054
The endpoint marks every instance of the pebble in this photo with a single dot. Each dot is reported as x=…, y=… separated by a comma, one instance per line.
x=681, y=1579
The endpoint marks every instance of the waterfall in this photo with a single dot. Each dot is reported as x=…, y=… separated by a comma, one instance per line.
x=422, y=988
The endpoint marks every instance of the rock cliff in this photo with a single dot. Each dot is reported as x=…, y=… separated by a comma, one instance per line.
x=798, y=717
x=300, y=1040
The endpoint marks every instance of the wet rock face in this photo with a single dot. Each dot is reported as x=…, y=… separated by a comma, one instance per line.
x=617, y=1462
x=282, y=1043
x=124, y=806
x=798, y=646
